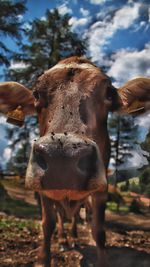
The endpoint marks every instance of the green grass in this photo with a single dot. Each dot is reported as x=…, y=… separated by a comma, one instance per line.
x=12, y=228
x=10, y=223
x=112, y=206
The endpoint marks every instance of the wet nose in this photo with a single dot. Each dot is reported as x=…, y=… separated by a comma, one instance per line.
x=58, y=151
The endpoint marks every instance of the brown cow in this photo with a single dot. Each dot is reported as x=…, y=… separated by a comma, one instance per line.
x=69, y=160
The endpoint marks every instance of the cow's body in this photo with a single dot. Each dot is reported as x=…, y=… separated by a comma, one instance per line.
x=73, y=127
x=69, y=161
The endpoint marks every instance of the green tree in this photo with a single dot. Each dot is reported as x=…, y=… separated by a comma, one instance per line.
x=49, y=40
x=123, y=135
x=18, y=163
x=146, y=145
x=144, y=181
x=20, y=142
x=145, y=175
x=136, y=188
x=10, y=26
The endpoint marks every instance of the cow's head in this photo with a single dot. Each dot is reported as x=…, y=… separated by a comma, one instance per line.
x=72, y=101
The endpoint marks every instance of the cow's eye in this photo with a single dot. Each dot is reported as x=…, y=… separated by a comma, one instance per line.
x=109, y=94
x=111, y=98
x=36, y=94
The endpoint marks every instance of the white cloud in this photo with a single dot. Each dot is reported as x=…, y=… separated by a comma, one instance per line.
x=77, y=23
x=20, y=17
x=142, y=23
x=27, y=26
x=143, y=122
x=2, y=119
x=101, y=32
x=97, y=2
x=125, y=16
x=137, y=159
x=84, y=12
x=43, y=18
x=127, y=64
x=7, y=154
x=18, y=65
x=63, y=9
x=98, y=35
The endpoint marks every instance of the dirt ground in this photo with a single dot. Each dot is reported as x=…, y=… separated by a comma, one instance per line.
x=128, y=243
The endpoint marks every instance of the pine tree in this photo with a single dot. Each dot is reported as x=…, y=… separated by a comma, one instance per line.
x=20, y=144
x=146, y=145
x=49, y=40
x=123, y=136
x=145, y=175
x=10, y=26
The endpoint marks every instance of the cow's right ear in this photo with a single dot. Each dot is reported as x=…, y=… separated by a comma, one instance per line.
x=135, y=96
x=16, y=101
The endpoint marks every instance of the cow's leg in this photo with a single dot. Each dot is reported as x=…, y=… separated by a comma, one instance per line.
x=48, y=224
x=98, y=229
x=62, y=236
x=60, y=228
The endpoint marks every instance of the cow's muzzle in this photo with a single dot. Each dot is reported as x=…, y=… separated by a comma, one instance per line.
x=65, y=162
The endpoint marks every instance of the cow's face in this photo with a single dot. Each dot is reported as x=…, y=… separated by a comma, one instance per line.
x=69, y=159
x=72, y=101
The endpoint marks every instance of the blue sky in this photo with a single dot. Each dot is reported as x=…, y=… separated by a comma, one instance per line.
x=117, y=33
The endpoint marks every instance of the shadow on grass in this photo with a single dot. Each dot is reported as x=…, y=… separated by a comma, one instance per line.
x=118, y=256
x=17, y=207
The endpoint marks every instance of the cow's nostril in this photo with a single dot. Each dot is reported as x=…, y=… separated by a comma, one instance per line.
x=40, y=160
x=88, y=164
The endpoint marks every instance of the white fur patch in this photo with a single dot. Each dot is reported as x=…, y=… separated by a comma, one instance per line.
x=72, y=65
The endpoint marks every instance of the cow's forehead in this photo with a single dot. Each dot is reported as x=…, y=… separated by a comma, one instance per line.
x=73, y=65
x=72, y=70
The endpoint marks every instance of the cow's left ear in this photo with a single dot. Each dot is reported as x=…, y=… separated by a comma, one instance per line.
x=16, y=101
x=135, y=96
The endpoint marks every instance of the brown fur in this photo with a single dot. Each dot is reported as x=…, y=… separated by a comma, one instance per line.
x=73, y=105
x=135, y=95
x=12, y=95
